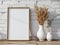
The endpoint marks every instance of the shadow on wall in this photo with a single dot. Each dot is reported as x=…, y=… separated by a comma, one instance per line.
x=34, y=28
x=55, y=25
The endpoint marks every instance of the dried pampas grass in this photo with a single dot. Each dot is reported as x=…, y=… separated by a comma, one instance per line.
x=41, y=14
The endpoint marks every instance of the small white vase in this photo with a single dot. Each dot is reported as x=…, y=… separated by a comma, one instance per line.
x=49, y=36
x=41, y=33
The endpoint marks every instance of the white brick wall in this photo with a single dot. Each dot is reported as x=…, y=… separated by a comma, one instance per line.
x=52, y=5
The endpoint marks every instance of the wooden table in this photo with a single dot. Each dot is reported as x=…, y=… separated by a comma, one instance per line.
x=32, y=42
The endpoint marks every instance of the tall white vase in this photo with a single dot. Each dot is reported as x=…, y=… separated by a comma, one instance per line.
x=41, y=33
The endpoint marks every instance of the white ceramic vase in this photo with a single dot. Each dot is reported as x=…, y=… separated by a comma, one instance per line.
x=41, y=33
x=49, y=36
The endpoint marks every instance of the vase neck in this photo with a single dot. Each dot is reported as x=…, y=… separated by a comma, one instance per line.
x=40, y=26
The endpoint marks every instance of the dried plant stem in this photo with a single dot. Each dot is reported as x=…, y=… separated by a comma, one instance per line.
x=41, y=14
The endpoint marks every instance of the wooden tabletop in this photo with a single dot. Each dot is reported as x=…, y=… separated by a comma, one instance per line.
x=27, y=42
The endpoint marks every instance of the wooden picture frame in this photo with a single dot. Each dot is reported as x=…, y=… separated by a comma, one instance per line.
x=18, y=23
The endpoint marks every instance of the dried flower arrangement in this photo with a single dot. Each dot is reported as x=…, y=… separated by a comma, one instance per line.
x=41, y=14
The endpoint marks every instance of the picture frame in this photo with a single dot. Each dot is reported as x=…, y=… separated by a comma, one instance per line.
x=18, y=23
